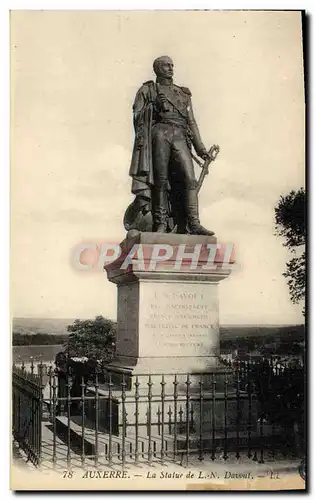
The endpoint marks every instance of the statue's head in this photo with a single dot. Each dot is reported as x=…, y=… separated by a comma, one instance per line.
x=163, y=66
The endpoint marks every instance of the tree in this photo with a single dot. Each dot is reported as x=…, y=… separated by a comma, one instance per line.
x=280, y=393
x=291, y=225
x=94, y=339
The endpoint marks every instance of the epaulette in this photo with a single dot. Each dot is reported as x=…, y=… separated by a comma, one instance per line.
x=186, y=90
x=149, y=81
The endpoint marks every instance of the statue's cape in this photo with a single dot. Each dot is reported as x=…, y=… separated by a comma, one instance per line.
x=141, y=168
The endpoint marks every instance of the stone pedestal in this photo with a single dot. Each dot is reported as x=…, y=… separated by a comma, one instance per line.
x=168, y=306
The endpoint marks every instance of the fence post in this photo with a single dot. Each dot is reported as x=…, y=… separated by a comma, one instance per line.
x=213, y=388
x=40, y=413
x=238, y=411
x=225, y=456
x=150, y=419
x=163, y=416
x=110, y=404
x=201, y=396
x=96, y=418
x=137, y=419
x=68, y=399
x=83, y=420
x=175, y=383
x=54, y=413
x=187, y=383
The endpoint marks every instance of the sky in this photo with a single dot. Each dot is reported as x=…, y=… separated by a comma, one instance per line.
x=74, y=76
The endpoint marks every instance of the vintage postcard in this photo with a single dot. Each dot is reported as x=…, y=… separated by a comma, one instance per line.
x=158, y=250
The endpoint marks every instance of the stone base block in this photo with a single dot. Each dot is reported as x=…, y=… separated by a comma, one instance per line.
x=193, y=412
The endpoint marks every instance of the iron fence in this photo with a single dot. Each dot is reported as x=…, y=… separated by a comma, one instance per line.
x=27, y=408
x=97, y=416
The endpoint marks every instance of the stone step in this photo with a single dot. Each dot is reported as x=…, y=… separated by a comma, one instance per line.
x=220, y=439
x=86, y=442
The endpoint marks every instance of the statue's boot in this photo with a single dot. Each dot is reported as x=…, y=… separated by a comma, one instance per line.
x=160, y=210
x=193, y=221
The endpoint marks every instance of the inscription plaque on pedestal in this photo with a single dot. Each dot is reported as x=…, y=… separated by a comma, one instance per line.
x=170, y=323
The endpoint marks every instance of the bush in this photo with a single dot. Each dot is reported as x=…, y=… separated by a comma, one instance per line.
x=94, y=339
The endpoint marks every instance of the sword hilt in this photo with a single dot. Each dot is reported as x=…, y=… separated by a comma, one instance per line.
x=213, y=152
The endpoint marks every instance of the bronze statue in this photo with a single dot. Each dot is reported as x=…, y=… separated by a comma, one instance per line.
x=162, y=171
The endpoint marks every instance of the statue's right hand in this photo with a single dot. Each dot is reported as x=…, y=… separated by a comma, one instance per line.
x=162, y=98
x=162, y=102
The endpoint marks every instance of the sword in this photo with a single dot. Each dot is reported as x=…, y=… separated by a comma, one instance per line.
x=213, y=153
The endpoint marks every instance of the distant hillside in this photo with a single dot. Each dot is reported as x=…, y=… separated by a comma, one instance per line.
x=31, y=326
x=275, y=340
x=38, y=339
x=294, y=332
